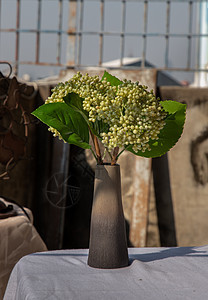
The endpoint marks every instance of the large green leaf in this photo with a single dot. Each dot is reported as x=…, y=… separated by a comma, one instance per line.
x=112, y=79
x=69, y=123
x=171, y=132
x=74, y=101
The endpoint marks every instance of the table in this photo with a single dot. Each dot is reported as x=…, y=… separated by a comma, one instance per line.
x=18, y=237
x=154, y=273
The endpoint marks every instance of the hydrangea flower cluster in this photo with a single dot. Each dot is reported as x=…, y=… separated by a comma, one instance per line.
x=133, y=114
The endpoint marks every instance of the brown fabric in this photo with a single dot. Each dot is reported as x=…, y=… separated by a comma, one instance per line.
x=18, y=237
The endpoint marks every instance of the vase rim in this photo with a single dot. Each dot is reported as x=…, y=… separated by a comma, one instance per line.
x=107, y=164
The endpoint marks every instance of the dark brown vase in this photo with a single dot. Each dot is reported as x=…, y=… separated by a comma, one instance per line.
x=108, y=246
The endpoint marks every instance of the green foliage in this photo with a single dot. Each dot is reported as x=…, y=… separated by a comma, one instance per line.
x=112, y=79
x=99, y=127
x=75, y=102
x=137, y=122
x=68, y=122
x=171, y=132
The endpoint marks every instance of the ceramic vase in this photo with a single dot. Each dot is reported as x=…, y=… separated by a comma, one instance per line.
x=108, y=245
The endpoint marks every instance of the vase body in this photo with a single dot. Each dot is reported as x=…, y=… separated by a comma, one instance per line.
x=108, y=246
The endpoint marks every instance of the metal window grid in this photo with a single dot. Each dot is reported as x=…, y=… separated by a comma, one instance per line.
x=76, y=32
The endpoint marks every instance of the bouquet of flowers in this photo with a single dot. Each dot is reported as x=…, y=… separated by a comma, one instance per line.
x=122, y=115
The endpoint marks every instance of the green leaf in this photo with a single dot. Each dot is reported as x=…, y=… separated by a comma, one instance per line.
x=75, y=102
x=69, y=123
x=171, y=106
x=171, y=132
x=98, y=127
x=112, y=79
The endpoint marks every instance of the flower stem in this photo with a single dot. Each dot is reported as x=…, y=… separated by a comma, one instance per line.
x=97, y=148
x=120, y=153
x=109, y=153
x=114, y=157
x=94, y=154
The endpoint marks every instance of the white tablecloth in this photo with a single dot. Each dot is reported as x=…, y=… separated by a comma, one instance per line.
x=154, y=273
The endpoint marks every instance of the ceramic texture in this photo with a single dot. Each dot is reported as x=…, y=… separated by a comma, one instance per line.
x=108, y=246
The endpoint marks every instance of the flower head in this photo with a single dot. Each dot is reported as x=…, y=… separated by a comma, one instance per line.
x=133, y=114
